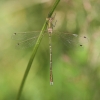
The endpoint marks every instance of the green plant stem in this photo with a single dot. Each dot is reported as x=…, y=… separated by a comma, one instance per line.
x=35, y=50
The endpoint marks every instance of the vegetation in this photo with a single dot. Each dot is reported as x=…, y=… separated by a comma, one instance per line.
x=75, y=68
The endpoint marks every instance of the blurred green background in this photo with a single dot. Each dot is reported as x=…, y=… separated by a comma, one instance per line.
x=76, y=70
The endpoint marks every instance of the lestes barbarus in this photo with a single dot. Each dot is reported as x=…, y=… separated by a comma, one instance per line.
x=29, y=38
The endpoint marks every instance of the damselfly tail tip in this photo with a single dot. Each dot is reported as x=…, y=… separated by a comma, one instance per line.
x=51, y=83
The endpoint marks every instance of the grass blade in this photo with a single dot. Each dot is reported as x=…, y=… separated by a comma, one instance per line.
x=35, y=50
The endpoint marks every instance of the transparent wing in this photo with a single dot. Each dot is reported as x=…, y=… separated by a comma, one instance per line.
x=28, y=39
x=25, y=39
x=69, y=39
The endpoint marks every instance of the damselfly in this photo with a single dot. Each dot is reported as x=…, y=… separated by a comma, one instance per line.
x=28, y=39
